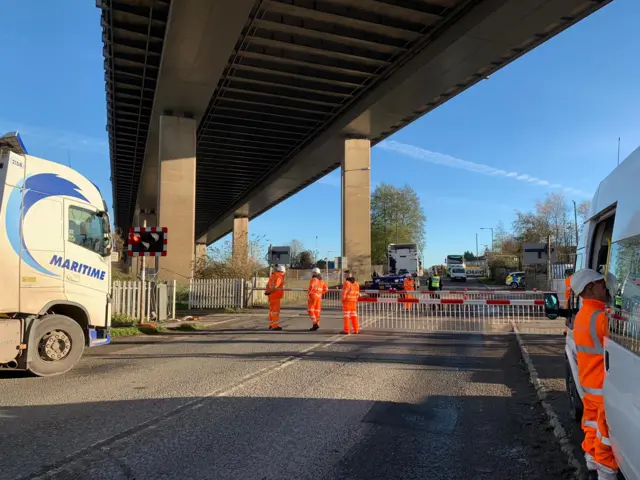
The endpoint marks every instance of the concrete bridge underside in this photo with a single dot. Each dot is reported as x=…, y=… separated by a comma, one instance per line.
x=218, y=109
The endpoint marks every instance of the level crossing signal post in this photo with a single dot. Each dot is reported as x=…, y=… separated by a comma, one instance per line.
x=146, y=242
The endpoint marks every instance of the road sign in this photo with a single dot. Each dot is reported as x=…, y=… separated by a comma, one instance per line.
x=537, y=254
x=147, y=242
x=280, y=255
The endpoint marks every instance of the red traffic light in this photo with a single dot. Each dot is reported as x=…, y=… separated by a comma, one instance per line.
x=134, y=238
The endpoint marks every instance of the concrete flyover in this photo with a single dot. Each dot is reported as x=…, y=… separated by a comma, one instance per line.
x=220, y=109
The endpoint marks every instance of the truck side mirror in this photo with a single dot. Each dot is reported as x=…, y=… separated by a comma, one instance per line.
x=551, y=305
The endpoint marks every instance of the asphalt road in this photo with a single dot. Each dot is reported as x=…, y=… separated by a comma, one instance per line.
x=240, y=402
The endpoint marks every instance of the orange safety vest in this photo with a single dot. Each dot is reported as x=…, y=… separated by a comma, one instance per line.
x=350, y=292
x=275, y=286
x=589, y=329
x=567, y=289
x=317, y=288
x=408, y=284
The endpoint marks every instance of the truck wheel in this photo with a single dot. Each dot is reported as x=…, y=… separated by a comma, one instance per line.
x=575, y=402
x=57, y=344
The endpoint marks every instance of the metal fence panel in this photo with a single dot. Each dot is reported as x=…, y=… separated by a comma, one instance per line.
x=216, y=293
x=141, y=300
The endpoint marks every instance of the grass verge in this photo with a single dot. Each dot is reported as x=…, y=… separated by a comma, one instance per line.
x=187, y=327
x=133, y=330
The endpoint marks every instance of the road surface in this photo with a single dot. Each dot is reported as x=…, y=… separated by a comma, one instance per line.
x=240, y=402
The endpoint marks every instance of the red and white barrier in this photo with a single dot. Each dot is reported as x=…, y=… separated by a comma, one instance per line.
x=451, y=301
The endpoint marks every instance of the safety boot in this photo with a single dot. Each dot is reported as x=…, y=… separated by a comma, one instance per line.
x=315, y=327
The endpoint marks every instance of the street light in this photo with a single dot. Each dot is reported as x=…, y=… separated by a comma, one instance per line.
x=489, y=228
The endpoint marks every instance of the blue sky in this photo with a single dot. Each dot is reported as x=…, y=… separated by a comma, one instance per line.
x=548, y=122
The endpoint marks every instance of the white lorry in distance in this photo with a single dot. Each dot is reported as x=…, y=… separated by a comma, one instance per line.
x=611, y=244
x=56, y=267
x=404, y=258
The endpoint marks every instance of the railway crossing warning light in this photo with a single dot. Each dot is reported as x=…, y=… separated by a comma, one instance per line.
x=147, y=242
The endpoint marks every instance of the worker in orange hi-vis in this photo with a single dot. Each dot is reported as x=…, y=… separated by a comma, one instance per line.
x=567, y=290
x=317, y=288
x=589, y=330
x=350, y=296
x=275, y=291
x=409, y=286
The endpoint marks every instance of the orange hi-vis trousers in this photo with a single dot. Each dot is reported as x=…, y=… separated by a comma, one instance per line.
x=596, y=444
x=350, y=314
x=314, y=308
x=274, y=312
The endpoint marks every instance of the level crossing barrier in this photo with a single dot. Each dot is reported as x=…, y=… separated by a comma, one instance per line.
x=431, y=313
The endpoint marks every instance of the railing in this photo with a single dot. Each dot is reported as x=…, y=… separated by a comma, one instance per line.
x=216, y=293
x=145, y=301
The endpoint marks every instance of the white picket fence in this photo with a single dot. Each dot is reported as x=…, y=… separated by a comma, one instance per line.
x=217, y=293
x=147, y=301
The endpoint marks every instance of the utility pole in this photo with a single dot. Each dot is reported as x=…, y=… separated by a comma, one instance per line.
x=549, y=273
x=476, y=244
x=575, y=221
x=489, y=228
x=618, y=150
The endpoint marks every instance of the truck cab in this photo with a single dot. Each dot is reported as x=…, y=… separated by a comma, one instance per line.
x=55, y=251
x=611, y=244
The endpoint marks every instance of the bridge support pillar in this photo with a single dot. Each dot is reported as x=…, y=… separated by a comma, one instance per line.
x=177, y=195
x=240, y=246
x=356, y=207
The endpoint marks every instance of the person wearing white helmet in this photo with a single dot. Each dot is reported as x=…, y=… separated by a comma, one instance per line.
x=275, y=292
x=317, y=288
x=590, y=327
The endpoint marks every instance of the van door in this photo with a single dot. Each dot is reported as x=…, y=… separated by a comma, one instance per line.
x=86, y=270
x=622, y=357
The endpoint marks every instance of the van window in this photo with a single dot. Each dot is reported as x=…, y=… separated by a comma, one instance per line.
x=600, y=247
x=86, y=229
x=625, y=266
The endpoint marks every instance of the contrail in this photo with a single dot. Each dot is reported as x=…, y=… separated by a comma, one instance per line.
x=449, y=161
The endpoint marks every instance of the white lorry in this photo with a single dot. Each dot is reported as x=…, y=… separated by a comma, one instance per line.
x=404, y=258
x=56, y=269
x=611, y=244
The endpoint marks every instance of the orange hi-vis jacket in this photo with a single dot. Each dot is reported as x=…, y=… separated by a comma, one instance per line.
x=350, y=295
x=409, y=286
x=275, y=286
x=317, y=288
x=567, y=289
x=589, y=329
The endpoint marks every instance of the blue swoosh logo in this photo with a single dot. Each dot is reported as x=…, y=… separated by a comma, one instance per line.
x=19, y=205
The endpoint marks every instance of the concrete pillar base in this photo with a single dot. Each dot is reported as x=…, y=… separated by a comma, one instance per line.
x=356, y=207
x=240, y=245
x=177, y=196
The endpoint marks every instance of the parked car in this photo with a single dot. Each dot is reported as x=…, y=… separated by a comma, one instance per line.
x=515, y=280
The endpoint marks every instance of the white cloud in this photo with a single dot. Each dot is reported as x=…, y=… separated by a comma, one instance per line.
x=452, y=162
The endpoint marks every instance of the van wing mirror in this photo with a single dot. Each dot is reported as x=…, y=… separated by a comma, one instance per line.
x=551, y=305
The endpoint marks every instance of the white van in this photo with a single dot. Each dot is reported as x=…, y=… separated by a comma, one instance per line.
x=611, y=244
x=458, y=273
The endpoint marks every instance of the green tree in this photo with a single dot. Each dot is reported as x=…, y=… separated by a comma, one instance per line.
x=396, y=217
x=468, y=256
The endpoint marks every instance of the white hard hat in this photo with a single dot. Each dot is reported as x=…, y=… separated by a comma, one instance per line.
x=315, y=270
x=280, y=268
x=584, y=277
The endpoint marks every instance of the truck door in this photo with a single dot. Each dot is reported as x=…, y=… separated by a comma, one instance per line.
x=86, y=270
x=42, y=252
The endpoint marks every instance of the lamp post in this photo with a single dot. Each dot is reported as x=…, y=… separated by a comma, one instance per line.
x=489, y=228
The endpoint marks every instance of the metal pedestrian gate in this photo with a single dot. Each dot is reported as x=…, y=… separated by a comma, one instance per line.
x=463, y=311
